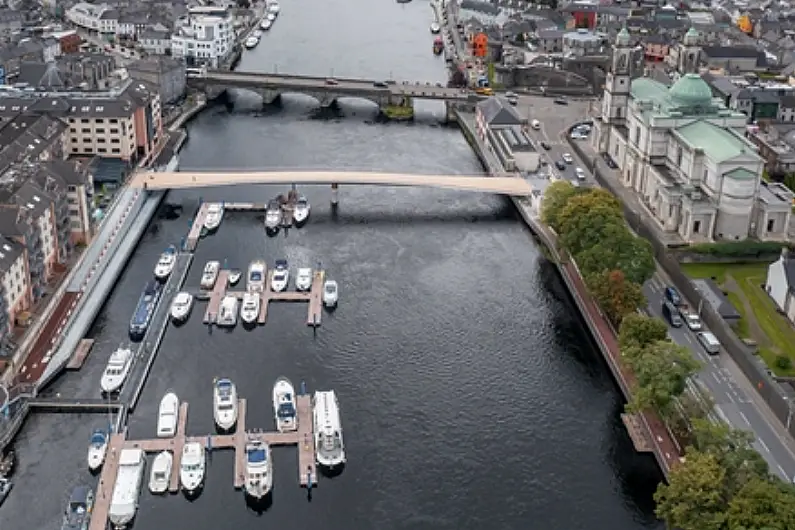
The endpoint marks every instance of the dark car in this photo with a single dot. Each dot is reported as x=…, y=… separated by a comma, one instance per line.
x=671, y=314
x=380, y=84
x=545, y=146
x=672, y=295
x=609, y=161
x=561, y=101
x=560, y=164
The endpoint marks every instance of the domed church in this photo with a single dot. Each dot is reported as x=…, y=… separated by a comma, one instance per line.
x=685, y=154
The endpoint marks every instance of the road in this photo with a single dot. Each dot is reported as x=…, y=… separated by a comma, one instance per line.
x=736, y=401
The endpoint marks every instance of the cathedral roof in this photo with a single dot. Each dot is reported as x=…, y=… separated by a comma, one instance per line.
x=691, y=91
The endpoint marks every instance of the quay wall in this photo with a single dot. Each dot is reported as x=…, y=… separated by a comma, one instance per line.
x=489, y=161
x=743, y=355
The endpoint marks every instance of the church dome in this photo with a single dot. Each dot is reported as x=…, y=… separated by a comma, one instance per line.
x=691, y=91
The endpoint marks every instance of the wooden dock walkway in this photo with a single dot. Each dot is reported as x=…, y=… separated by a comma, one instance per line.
x=245, y=206
x=637, y=433
x=216, y=295
x=196, y=228
x=107, y=480
x=80, y=354
x=307, y=469
x=315, y=312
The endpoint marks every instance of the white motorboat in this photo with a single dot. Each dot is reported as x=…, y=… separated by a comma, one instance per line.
x=225, y=404
x=227, y=314
x=234, y=276
x=166, y=263
x=167, y=416
x=97, y=449
x=5, y=488
x=301, y=211
x=258, y=34
x=215, y=210
x=161, y=472
x=284, y=405
x=124, y=501
x=265, y=25
x=210, y=274
x=251, y=42
x=330, y=293
x=281, y=276
x=256, y=277
x=274, y=8
x=329, y=446
x=303, y=279
x=273, y=216
x=117, y=370
x=435, y=28
x=271, y=16
x=259, y=469
x=191, y=470
x=249, y=309
x=181, y=306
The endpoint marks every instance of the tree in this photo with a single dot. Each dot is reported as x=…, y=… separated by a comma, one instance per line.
x=592, y=231
x=622, y=251
x=762, y=503
x=641, y=330
x=585, y=214
x=615, y=295
x=693, y=498
x=661, y=370
x=556, y=197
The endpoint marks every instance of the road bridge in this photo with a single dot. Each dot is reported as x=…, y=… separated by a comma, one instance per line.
x=500, y=184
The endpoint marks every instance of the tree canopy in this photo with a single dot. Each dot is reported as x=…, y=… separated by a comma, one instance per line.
x=556, y=196
x=762, y=504
x=631, y=255
x=691, y=500
x=615, y=295
x=640, y=330
x=661, y=369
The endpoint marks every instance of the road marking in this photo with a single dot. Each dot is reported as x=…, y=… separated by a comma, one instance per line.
x=762, y=444
x=742, y=415
x=730, y=397
x=715, y=377
x=783, y=473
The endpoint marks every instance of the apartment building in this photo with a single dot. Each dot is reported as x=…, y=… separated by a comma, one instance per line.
x=93, y=17
x=204, y=37
x=14, y=286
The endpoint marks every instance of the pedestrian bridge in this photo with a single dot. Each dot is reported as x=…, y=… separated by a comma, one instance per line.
x=500, y=185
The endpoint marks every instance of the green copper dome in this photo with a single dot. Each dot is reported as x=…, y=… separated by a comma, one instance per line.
x=691, y=91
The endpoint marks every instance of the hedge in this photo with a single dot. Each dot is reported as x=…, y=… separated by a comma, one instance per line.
x=739, y=249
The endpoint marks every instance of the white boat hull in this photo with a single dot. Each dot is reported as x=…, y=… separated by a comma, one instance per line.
x=279, y=286
x=329, y=443
x=96, y=457
x=225, y=410
x=180, y=315
x=273, y=220
x=226, y=420
x=300, y=215
x=281, y=390
x=161, y=472
x=193, y=466
x=168, y=415
x=249, y=317
x=161, y=273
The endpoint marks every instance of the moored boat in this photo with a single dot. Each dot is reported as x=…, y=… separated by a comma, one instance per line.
x=78, y=510
x=97, y=449
x=259, y=469
x=5, y=488
x=435, y=28
x=251, y=42
x=265, y=25
x=284, y=405
x=8, y=462
x=301, y=211
x=215, y=211
x=227, y=313
x=303, y=279
x=438, y=46
x=210, y=274
x=271, y=16
x=281, y=276
x=273, y=216
x=330, y=293
x=258, y=33
x=274, y=7
x=234, y=276
x=191, y=471
x=225, y=404
x=166, y=263
x=256, y=277
x=117, y=369
x=124, y=501
x=249, y=309
x=329, y=445
x=181, y=306
x=145, y=309
x=167, y=416
x=161, y=472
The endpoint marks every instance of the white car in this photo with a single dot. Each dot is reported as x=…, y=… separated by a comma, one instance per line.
x=580, y=173
x=693, y=321
x=568, y=158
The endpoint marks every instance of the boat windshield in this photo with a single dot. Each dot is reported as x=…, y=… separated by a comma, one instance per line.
x=330, y=442
x=331, y=289
x=256, y=456
x=192, y=467
x=279, y=275
x=286, y=410
x=113, y=371
x=160, y=475
x=227, y=406
x=256, y=276
x=98, y=439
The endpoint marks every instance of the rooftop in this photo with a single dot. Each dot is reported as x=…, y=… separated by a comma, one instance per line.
x=718, y=143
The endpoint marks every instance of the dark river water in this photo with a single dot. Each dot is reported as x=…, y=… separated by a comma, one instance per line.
x=471, y=394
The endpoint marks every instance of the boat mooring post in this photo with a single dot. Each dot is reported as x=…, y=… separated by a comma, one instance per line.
x=335, y=200
x=303, y=388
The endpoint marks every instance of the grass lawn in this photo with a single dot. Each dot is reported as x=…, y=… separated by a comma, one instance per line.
x=760, y=321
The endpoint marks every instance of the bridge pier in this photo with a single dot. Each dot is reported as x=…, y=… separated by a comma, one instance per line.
x=398, y=108
x=270, y=96
x=335, y=200
x=450, y=115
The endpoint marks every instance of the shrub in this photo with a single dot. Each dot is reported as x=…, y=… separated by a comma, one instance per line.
x=783, y=362
x=739, y=249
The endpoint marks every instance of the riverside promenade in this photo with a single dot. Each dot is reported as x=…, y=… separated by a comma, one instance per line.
x=658, y=437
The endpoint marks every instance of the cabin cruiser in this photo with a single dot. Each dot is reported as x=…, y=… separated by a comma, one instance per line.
x=181, y=306
x=301, y=211
x=97, y=449
x=274, y=7
x=210, y=274
x=227, y=314
x=284, y=405
x=124, y=501
x=271, y=16
x=166, y=263
x=258, y=34
x=191, y=471
x=145, y=309
x=161, y=472
x=281, y=276
x=273, y=216
x=215, y=211
x=330, y=293
x=435, y=28
x=259, y=469
x=329, y=447
x=78, y=510
x=265, y=25
x=251, y=42
x=303, y=279
x=117, y=370
x=225, y=404
x=256, y=277
x=249, y=310
x=234, y=276
x=5, y=488
x=167, y=416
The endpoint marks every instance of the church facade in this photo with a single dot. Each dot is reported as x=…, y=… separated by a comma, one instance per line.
x=686, y=155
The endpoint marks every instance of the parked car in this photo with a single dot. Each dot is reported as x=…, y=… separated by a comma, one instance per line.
x=560, y=164
x=609, y=161
x=710, y=342
x=671, y=314
x=561, y=101
x=672, y=295
x=568, y=158
x=546, y=146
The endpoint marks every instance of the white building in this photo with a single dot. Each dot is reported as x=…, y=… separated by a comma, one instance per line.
x=780, y=284
x=15, y=282
x=501, y=129
x=100, y=17
x=204, y=38
x=685, y=154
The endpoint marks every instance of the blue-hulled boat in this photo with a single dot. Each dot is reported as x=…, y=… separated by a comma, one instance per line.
x=139, y=322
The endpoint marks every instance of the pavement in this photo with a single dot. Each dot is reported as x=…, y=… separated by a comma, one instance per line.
x=736, y=401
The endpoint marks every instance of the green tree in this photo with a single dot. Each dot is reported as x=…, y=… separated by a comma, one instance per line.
x=556, y=197
x=619, y=250
x=693, y=498
x=615, y=295
x=585, y=216
x=592, y=230
x=640, y=330
x=762, y=504
x=661, y=370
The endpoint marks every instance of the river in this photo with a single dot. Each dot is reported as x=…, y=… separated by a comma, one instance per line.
x=472, y=396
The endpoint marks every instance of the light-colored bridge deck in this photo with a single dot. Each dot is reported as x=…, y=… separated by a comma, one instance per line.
x=503, y=185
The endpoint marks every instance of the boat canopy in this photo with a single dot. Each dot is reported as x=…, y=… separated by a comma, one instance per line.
x=256, y=276
x=286, y=410
x=98, y=438
x=281, y=263
x=256, y=456
x=79, y=498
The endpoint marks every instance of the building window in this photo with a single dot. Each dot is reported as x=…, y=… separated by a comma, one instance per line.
x=114, y=140
x=116, y=150
x=637, y=135
x=618, y=112
x=100, y=130
x=85, y=131
x=706, y=174
x=113, y=120
x=696, y=226
x=679, y=157
x=771, y=224
x=74, y=130
x=114, y=131
x=102, y=150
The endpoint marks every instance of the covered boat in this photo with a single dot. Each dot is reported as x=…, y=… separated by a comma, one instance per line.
x=160, y=476
x=124, y=501
x=259, y=469
x=225, y=403
x=284, y=405
x=97, y=449
x=329, y=445
x=167, y=416
x=78, y=509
